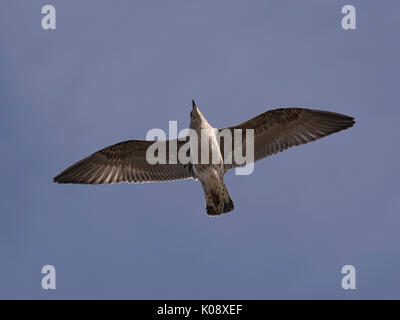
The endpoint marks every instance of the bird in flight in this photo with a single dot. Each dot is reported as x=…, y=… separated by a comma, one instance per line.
x=274, y=131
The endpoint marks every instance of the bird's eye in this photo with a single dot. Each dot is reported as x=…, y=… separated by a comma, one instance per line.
x=191, y=113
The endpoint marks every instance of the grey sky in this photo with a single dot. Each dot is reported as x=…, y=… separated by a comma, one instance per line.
x=112, y=70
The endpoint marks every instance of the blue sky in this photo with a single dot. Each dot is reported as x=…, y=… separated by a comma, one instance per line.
x=112, y=70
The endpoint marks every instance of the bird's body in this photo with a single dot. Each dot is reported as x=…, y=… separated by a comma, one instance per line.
x=209, y=172
x=274, y=131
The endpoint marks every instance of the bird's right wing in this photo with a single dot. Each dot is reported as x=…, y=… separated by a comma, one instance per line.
x=123, y=162
x=279, y=129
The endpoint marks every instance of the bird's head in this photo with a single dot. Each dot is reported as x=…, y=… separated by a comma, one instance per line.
x=196, y=117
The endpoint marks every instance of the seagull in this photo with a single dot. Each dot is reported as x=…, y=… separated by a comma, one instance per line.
x=274, y=131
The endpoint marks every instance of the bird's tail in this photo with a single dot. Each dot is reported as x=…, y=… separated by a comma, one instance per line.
x=217, y=199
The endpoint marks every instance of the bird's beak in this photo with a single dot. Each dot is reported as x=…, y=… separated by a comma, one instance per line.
x=194, y=105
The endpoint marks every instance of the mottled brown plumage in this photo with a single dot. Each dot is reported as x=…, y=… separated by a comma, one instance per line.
x=274, y=131
x=122, y=162
x=279, y=129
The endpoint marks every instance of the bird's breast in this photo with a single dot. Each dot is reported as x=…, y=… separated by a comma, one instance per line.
x=208, y=150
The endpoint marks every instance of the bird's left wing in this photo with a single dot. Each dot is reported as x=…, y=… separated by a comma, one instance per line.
x=279, y=129
x=123, y=162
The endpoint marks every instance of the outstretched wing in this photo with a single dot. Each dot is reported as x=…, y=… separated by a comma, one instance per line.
x=279, y=129
x=123, y=162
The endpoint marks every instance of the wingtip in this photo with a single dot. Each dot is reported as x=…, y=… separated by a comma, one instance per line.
x=351, y=121
x=59, y=179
